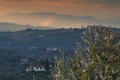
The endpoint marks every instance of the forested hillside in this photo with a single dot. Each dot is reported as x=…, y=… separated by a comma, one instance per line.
x=34, y=46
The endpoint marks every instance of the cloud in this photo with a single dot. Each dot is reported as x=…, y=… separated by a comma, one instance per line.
x=17, y=0
x=97, y=8
x=107, y=3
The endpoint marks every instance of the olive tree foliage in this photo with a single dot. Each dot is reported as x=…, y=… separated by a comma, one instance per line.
x=101, y=62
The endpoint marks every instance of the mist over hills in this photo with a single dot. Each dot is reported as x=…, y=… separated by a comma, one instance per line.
x=5, y=26
x=58, y=20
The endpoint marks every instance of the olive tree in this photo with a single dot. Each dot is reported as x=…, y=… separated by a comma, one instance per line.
x=100, y=62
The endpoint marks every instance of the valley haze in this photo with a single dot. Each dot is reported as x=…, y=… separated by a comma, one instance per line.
x=52, y=20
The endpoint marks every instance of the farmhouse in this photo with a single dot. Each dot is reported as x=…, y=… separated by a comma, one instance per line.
x=36, y=68
x=40, y=67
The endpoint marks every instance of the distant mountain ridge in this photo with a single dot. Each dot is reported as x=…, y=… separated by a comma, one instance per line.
x=58, y=20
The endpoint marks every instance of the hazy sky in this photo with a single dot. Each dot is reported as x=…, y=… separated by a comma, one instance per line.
x=96, y=8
